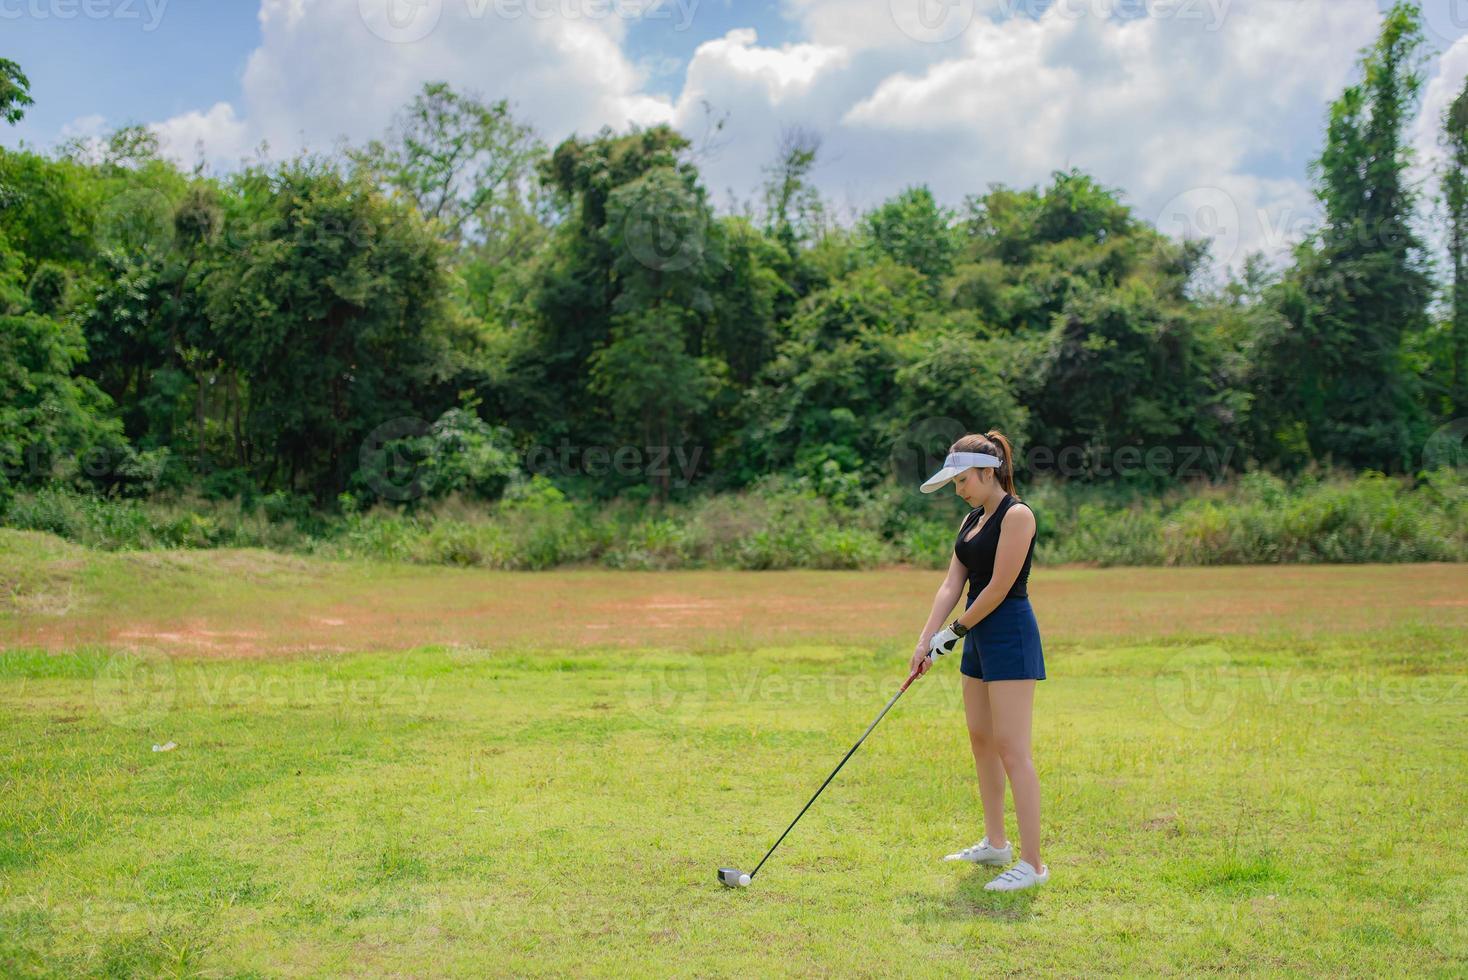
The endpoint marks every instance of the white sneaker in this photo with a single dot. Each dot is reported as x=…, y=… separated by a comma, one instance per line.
x=1022, y=875
x=983, y=853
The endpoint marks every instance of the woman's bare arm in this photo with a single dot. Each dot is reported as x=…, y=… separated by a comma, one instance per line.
x=946, y=597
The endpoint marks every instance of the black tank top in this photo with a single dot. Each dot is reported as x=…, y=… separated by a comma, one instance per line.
x=978, y=555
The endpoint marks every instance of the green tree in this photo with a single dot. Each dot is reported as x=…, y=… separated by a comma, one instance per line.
x=1128, y=368
x=333, y=310
x=12, y=280
x=1330, y=371
x=132, y=147
x=466, y=164
x=1027, y=251
x=50, y=209
x=1083, y=315
x=652, y=370
x=15, y=92
x=53, y=425
x=813, y=250
x=143, y=318
x=823, y=405
x=749, y=296
x=953, y=369
x=580, y=275
x=913, y=230
x=795, y=215
x=470, y=166
x=1455, y=194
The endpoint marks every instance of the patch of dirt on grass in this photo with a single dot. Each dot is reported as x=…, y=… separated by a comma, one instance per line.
x=240, y=643
x=1167, y=823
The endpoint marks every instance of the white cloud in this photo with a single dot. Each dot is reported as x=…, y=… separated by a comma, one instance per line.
x=220, y=133
x=762, y=89
x=86, y=127
x=1160, y=107
x=1214, y=105
x=325, y=70
x=1443, y=86
x=886, y=24
x=777, y=74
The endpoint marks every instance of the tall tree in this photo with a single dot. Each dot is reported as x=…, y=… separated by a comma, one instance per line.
x=749, y=296
x=333, y=309
x=824, y=399
x=1332, y=368
x=577, y=277
x=140, y=299
x=794, y=212
x=653, y=369
x=1455, y=194
x=465, y=163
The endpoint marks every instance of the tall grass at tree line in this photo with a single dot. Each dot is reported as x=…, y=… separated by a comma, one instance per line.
x=1255, y=518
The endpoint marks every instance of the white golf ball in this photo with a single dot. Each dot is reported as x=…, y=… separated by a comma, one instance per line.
x=743, y=881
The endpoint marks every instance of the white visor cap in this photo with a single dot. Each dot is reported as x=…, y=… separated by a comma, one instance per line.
x=955, y=464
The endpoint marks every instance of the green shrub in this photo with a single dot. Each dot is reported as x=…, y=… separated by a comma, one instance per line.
x=783, y=523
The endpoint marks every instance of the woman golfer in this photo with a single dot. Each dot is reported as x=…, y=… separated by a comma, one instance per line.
x=1002, y=659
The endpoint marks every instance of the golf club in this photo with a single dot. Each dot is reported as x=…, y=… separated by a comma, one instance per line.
x=733, y=877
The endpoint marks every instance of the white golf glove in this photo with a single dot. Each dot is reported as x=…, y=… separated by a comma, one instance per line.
x=944, y=641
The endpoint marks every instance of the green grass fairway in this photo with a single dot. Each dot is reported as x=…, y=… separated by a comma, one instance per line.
x=1215, y=802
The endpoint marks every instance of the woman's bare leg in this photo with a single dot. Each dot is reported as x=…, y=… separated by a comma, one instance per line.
x=986, y=757
x=1011, y=705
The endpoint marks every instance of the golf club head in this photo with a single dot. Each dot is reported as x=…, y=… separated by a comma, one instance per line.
x=733, y=878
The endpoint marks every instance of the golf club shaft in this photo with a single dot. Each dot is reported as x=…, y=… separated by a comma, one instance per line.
x=911, y=677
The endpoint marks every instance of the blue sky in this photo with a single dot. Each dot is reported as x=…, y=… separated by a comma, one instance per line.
x=662, y=43
x=118, y=68
x=1191, y=107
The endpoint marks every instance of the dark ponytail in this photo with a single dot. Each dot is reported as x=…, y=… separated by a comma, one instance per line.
x=1006, y=471
x=994, y=443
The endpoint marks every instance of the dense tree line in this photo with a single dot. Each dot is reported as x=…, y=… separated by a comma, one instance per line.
x=456, y=304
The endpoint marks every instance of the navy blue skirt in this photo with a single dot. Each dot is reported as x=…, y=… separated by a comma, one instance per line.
x=1005, y=645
